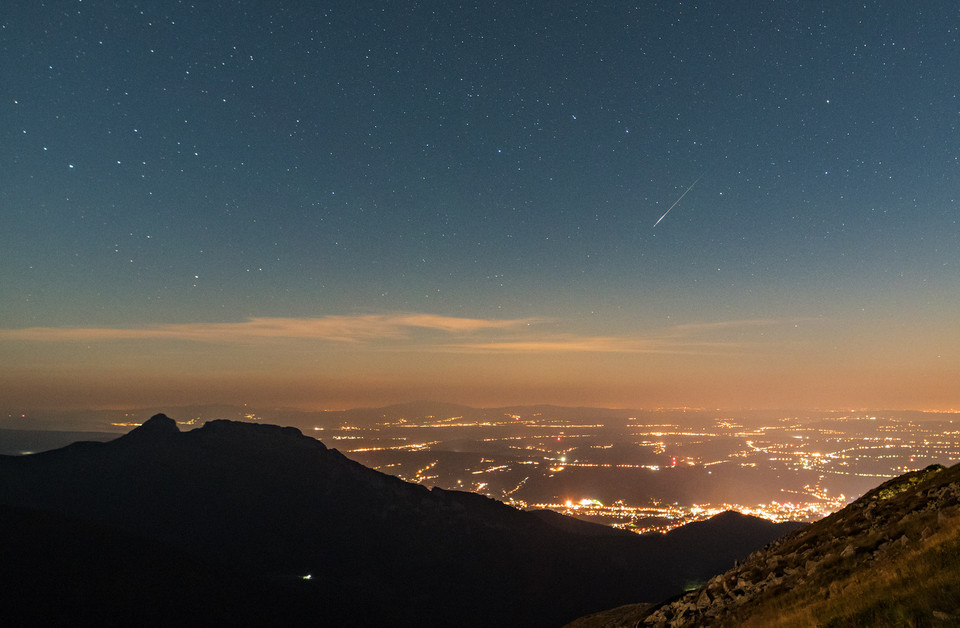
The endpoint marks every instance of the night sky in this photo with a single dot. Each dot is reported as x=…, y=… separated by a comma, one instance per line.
x=335, y=204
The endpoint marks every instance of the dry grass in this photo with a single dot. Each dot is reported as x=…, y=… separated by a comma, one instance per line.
x=891, y=559
x=912, y=586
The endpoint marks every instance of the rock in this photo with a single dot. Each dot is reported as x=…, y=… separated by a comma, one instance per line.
x=740, y=600
x=847, y=552
x=703, y=601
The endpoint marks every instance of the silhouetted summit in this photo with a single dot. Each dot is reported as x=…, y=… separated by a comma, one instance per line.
x=311, y=534
x=157, y=425
x=258, y=435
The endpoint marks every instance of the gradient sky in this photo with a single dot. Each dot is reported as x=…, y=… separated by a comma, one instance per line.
x=321, y=204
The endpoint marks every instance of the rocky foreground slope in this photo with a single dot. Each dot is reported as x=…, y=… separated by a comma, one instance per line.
x=891, y=558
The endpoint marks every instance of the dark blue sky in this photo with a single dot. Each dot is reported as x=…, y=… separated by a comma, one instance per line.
x=209, y=163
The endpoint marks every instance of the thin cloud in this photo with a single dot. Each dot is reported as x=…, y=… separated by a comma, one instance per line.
x=458, y=334
x=689, y=338
x=743, y=324
x=333, y=328
x=687, y=329
x=590, y=344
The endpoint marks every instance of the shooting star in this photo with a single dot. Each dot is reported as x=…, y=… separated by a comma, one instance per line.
x=677, y=201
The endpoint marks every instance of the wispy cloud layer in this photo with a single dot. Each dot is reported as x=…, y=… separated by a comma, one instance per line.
x=689, y=338
x=333, y=328
x=566, y=343
x=457, y=334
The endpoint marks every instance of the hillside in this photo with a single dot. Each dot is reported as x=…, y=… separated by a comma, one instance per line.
x=271, y=523
x=891, y=558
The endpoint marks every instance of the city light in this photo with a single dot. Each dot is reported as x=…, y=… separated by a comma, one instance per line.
x=806, y=468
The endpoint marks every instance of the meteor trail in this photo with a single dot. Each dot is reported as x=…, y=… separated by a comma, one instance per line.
x=677, y=201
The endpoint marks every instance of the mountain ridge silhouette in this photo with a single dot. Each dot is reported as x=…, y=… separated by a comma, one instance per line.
x=273, y=507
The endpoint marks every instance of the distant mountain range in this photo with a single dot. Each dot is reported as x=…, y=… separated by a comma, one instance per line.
x=414, y=411
x=260, y=525
x=418, y=412
x=891, y=558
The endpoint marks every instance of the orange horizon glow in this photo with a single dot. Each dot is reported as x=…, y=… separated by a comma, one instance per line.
x=371, y=360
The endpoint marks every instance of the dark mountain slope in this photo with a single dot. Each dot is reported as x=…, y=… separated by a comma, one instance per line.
x=270, y=506
x=21, y=442
x=59, y=571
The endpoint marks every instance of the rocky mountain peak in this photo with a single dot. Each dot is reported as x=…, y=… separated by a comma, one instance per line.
x=257, y=434
x=159, y=425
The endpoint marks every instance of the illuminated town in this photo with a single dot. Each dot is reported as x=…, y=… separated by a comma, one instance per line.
x=644, y=471
x=654, y=476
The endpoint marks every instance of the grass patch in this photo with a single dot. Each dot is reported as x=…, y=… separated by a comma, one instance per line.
x=917, y=586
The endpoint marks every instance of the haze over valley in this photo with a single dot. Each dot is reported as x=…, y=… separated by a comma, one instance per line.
x=640, y=470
